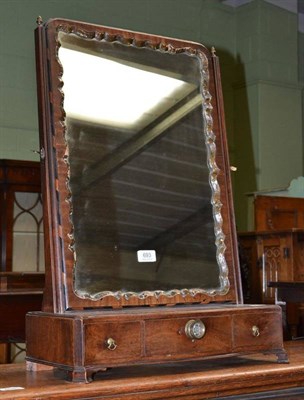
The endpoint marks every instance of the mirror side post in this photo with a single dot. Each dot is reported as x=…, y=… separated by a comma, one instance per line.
x=50, y=298
x=230, y=215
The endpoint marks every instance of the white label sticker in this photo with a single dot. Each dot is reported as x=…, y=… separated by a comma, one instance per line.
x=146, y=256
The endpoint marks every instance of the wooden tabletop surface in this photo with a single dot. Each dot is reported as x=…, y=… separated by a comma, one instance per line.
x=187, y=381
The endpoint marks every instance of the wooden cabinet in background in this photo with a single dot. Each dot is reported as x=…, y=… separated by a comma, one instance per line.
x=21, y=216
x=274, y=213
x=22, y=255
x=271, y=256
x=274, y=252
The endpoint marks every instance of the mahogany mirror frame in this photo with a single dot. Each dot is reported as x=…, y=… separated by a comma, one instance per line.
x=86, y=335
x=60, y=295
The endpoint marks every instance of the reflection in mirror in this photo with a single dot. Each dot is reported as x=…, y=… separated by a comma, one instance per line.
x=140, y=173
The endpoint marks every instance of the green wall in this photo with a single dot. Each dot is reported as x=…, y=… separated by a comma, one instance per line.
x=268, y=141
x=258, y=45
x=191, y=19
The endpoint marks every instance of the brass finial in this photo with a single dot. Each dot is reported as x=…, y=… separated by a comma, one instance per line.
x=213, y=51
x=39, y=20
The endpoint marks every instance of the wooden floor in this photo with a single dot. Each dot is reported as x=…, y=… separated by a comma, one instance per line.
x=236, y=377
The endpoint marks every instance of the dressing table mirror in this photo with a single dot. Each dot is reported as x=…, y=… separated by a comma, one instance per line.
x=141, y=250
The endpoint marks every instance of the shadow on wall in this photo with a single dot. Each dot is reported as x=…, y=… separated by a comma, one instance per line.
x=240, y=126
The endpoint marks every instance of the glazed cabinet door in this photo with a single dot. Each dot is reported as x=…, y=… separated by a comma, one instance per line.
x=264, y=258
x=275, y=263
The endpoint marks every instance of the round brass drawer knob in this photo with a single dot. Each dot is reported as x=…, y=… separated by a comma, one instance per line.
x=255, y=331
x=195, y=329
x=111, y=344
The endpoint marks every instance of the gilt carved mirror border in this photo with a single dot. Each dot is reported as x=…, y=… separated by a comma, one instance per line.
x=58, y=193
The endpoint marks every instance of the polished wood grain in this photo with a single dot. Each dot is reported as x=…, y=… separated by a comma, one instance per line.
x=278, y=213
x=282, y=253
x=10, y=281
x=78, y=342
x=147, y=326
x=251, y=377
x=55, y=170
x=20, y=292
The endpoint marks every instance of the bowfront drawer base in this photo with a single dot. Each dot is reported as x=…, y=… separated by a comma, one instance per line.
x=83, y=343
x=112, y=342
x=166, y=338
x=256, y=331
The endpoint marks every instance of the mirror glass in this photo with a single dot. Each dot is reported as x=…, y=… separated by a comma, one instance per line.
x=143, y=208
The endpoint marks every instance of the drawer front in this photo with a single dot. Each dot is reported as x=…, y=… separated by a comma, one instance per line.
x=257, y=331
x=166, y=338
x=112, y=343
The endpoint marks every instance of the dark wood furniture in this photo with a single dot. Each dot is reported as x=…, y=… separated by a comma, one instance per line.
x=278, y=213
x=21, y=272
x=271, y=256
x=256, y=377
x=274, y=252
x=19, y=294
x=291, y=292
x=16, y=177
x=141, y=250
